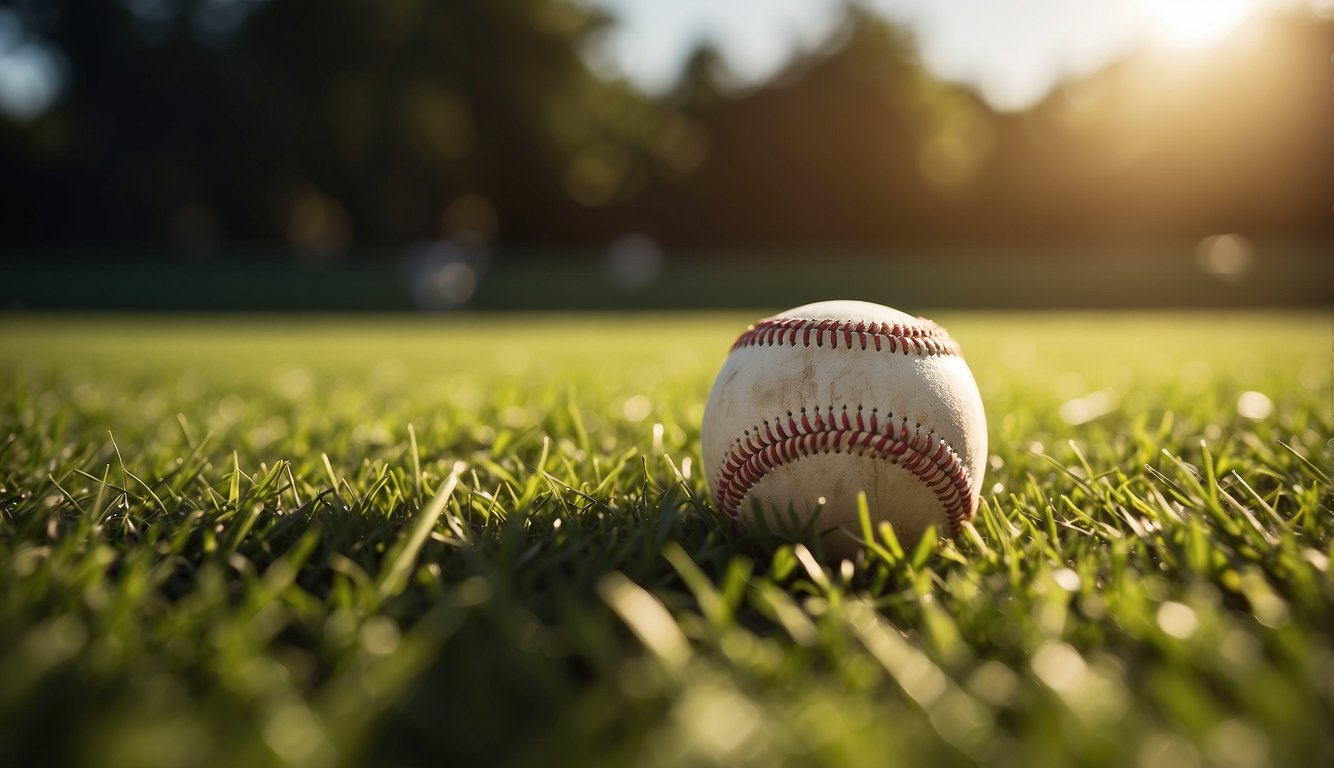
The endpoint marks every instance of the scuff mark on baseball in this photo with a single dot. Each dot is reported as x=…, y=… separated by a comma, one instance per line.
x=820, y=402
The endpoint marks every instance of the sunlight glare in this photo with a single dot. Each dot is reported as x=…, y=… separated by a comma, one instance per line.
x=1195, y=23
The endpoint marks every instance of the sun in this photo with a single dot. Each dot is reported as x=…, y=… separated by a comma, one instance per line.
x=1195, y=23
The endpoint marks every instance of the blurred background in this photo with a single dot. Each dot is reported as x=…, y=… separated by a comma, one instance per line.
x=349, y=154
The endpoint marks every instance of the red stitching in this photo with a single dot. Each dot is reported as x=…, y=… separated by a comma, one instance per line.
x=922, y=338
x=787, y=439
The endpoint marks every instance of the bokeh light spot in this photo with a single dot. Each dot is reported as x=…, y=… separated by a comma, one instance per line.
x=443, y=274
x=1255, y=406
x=1060, y=667
x=1227, y=257
x=318, y=226
x=32, y=73
x=1177, y=620
x=1094, y=405
x=633, y=260
x=637, y=408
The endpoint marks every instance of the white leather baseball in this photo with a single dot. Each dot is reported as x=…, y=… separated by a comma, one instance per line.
x=828, y=399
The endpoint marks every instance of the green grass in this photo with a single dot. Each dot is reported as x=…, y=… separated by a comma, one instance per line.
x=270, y=541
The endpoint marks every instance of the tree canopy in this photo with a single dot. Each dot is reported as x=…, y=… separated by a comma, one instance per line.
x=321, y=124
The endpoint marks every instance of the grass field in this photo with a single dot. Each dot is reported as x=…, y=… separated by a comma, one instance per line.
x=486, y=540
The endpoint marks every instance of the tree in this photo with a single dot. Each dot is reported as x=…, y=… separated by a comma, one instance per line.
x=378, y=115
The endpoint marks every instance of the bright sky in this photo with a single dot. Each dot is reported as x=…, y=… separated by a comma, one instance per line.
x=1012, y=51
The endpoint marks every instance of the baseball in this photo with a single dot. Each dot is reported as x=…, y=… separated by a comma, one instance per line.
x=823, y=401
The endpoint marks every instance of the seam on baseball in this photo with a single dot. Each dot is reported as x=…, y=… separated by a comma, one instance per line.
x=859, y=432
x=921, y=338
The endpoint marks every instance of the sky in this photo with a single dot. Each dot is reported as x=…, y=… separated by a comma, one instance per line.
x=1012, y=51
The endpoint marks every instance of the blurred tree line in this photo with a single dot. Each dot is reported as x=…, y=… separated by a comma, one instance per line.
x=321, y=124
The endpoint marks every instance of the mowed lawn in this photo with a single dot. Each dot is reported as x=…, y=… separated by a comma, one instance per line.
x=487, y=540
